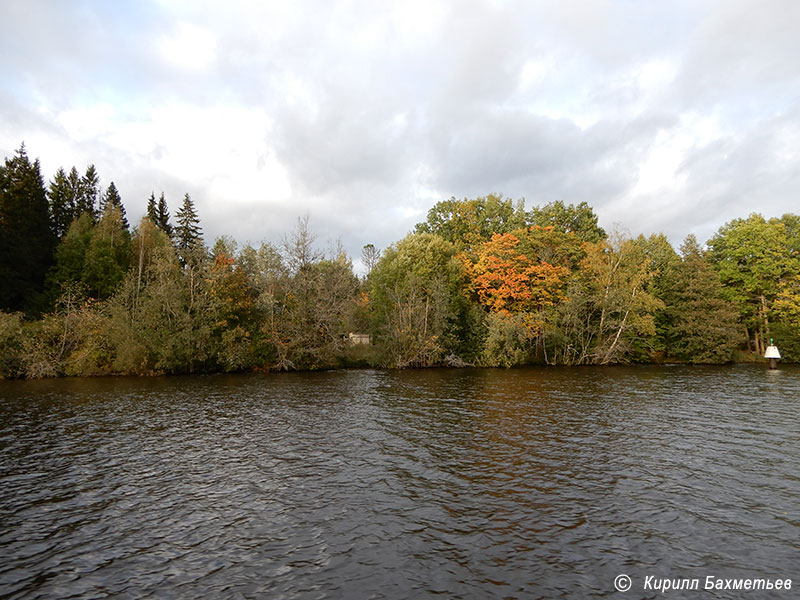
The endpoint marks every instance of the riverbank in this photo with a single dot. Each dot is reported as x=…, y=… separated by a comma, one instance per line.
x=15, y=367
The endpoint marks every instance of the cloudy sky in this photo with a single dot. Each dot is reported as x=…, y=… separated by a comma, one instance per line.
x=664, y=116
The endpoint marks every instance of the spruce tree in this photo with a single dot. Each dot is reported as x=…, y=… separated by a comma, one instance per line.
x=188, y=232
x=89, y=192
x=75, y=186
x=61, y=199
x=701, y=323
x=162, y=216
x=26, y=236
x=152, y=209
x=112, y=199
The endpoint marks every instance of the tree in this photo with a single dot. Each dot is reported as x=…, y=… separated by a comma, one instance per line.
x=700, y=323
x=148, y=243
x=663, y=262
x=467, y=223
x=608, y=306
x=112, y=198
x=173, y=320
x=579, y=219
x=108, y=255
x=754, y=258
x=786, y=326
x=237, y=315
x=162, y=216
x=188, y=234
x=70, y=255
x=269, y=279
x=518, y=277
x=87, y=199
x=94, y=256
x=370, y=256
x=315, y=301
x=791, y=224
x=152, y=209
x=61, y=198
x=509, y=277
x=26, y=236
x=298, y=248
x=75, y=183
x=416, y=297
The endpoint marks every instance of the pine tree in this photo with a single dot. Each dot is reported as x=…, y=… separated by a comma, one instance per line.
x=188, y=233
x=26, y=236
x=162, y=216
x=113, y=199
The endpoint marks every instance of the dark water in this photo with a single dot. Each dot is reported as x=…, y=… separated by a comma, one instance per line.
x=533, y=483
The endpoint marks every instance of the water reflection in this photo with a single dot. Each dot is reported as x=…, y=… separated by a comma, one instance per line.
x=368, y=484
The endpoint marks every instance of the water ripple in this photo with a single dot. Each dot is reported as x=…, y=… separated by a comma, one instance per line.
x=530, y=483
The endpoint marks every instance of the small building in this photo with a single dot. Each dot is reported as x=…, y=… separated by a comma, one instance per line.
x=360, y=338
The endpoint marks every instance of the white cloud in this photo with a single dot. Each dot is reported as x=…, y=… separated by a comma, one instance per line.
x=189, y=46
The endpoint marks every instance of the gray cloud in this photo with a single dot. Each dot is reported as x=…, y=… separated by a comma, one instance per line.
x=668, y=118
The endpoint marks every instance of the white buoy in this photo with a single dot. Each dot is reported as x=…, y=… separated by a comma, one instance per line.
x=773, y=354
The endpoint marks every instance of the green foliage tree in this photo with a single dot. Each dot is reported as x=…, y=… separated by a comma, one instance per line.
x=608, y=309
x=26, y=235
x=95, y=256
x=701, y=325
x=112, y=198
x=59, y=343
x=754, y=257
x=467, y=223
x=171, y=319
x=70, y=255
x=108, y=254
x=509, y=340
x=791, y=225
x=786, y=326
x=416, y=297
x=568, y=218
x=663, y=260
x=268, y=278
x=316, y=304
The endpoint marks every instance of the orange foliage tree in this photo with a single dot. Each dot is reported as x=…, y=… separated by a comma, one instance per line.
x=509, y=277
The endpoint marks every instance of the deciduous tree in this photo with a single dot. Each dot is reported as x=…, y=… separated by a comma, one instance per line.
x=568, y=218
x=754, y=257
x=469, y=222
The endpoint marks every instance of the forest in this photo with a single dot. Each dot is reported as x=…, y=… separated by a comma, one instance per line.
x=480, y=282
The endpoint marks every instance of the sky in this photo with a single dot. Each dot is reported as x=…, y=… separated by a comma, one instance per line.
x=672, y=117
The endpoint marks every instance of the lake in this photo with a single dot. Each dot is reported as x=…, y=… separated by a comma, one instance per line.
x=522, y=483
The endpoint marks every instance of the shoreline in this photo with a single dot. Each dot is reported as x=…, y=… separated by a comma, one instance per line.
x=764, y=363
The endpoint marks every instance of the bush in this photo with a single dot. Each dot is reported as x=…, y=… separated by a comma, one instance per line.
x=509, y=341
x=10, y=345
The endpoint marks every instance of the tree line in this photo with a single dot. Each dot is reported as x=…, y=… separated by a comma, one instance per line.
x=481, y=281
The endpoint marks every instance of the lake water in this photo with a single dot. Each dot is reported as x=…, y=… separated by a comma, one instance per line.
x=524, y=483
